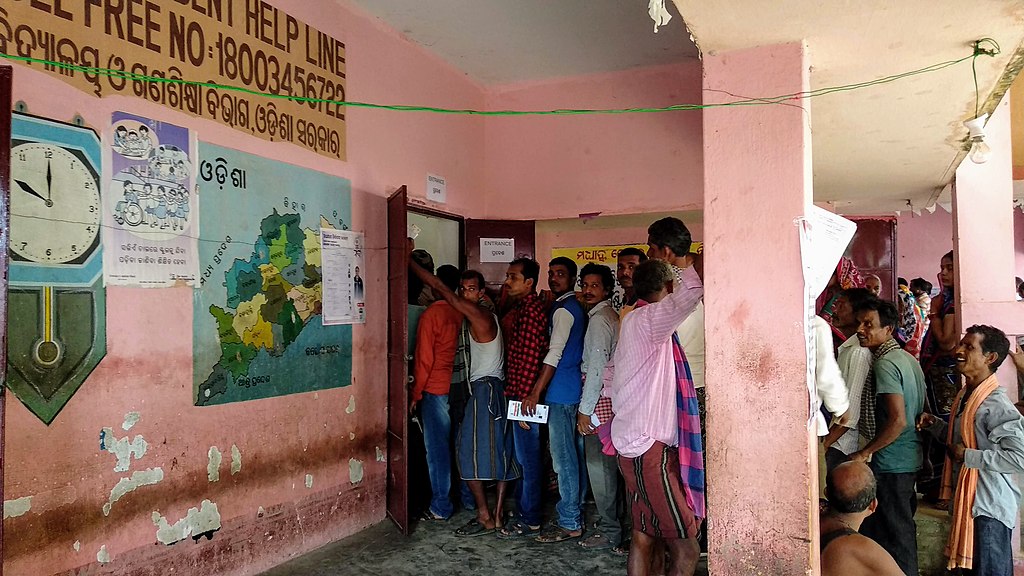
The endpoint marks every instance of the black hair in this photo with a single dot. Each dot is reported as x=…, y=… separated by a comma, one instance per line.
x=670, y=233
x=921, y=285
x=901, y=281
x=449, y=276
x=948, y=255
x=857, y=296
x=650, y=277
x=567, y=262
x=845, y=503
x=531, y=269
x=993, y=340
x=607, y=278
x=474, y=275
x=632, y=252
x=887, y=313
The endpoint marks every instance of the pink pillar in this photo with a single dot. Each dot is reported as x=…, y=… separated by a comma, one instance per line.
x=983, y=235
x=984, y=249
x=762, y=458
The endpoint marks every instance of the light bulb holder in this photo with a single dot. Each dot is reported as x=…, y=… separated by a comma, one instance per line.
x=976, y=126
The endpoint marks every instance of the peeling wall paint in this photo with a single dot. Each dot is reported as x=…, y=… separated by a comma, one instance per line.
x=236, y=460
x=77, y=545
x=197, y=522
x=351, y=435
x=103, y=557
x=15, y=508
x=355, y=470
x=213, y=468
x=351, y=405
x=380, y=454
x=126, y=485
x=309, y=480
x=122, y=448
x=130, y=419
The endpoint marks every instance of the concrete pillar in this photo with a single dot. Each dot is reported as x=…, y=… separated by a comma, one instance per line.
x=983, y=234
x=762, y=458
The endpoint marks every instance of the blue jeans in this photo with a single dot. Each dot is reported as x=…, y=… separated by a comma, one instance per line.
x=528, y=489
x=437, y=433
x=993, y=551
x=570, y=464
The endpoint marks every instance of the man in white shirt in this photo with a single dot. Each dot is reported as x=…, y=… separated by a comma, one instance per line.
x=855, y=365
x=597, y=285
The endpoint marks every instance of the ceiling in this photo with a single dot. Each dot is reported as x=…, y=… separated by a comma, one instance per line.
x=507, y=41
x=874, y=149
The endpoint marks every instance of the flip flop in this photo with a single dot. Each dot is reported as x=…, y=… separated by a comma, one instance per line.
x=429, y=516
x=517, y=529
x=621, y=549
x=473, y=528
x=557, y=534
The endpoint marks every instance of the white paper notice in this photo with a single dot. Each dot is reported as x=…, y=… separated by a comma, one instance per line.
x=497, y=249
x=341, y=254
x=827, y=237
x=437, y=189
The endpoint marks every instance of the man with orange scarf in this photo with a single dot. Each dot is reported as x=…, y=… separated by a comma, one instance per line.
x=982, y=457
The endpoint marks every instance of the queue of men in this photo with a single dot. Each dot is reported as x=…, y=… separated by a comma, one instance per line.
x=624, y=410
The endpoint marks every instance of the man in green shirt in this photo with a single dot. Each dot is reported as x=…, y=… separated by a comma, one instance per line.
x=895, y=451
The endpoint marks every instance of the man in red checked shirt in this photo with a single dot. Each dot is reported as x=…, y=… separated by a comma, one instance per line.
x=525, y=329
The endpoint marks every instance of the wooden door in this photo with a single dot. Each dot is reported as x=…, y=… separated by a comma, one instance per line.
x=398, y=362
x=873, y=250
x=6, y=76
x=524, y=233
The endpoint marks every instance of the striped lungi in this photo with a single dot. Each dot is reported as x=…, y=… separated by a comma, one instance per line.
x=655, y=492
x=484, y=444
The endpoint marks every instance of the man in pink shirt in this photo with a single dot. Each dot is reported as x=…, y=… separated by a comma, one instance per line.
x=654, y=401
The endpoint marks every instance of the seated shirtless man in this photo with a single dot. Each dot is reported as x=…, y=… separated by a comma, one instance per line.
x=850, y=489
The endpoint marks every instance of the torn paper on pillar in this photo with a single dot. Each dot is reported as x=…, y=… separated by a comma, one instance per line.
x=656, y=9
x=827, y=237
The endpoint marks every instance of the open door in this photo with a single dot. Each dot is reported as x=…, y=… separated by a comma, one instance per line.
x=398, y=362
x=6, y=79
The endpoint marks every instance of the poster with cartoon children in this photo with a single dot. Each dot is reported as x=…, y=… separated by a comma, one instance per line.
x=150, y=214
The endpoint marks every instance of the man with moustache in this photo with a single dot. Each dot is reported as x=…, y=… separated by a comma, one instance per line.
x=597, y=284
x=560, y=385
x=626, y=262
x=985, y=448
x=894, y=452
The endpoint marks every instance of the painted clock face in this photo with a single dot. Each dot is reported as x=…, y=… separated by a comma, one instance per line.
x=55, y=203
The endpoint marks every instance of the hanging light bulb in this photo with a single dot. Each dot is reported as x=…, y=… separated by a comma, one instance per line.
x=980, y=151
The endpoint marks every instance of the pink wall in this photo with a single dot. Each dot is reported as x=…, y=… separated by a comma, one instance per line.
x=920, y=243
x=150, y=371
x=562, y=166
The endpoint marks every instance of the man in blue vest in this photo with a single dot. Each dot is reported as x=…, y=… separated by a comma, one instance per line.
x=561, y=385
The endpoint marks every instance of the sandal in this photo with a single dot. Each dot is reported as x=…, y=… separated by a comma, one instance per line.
x=595, y=542
x=429, y=516
x=517, y=529
x=621, y=549
x=558, y=534
x=473, y=528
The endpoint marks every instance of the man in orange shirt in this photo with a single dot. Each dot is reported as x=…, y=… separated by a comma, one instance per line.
x=436, y=341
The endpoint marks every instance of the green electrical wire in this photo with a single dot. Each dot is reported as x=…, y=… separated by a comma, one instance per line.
x=979, y=50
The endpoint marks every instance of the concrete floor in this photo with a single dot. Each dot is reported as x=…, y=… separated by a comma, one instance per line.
x=433, y=548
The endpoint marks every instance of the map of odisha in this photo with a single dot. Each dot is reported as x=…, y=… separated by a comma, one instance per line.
x=271, y=297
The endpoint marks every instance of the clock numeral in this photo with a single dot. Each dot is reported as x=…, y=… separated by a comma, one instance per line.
x=22, y=157
x=48, y=153
x=74, y=247
x=92, y=208
x=24, y=245
x=49, y=252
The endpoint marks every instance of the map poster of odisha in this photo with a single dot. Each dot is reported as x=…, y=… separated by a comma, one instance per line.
x=258, y=329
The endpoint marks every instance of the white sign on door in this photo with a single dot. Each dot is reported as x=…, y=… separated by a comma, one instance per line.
x=437, y=189
x=497, y=249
